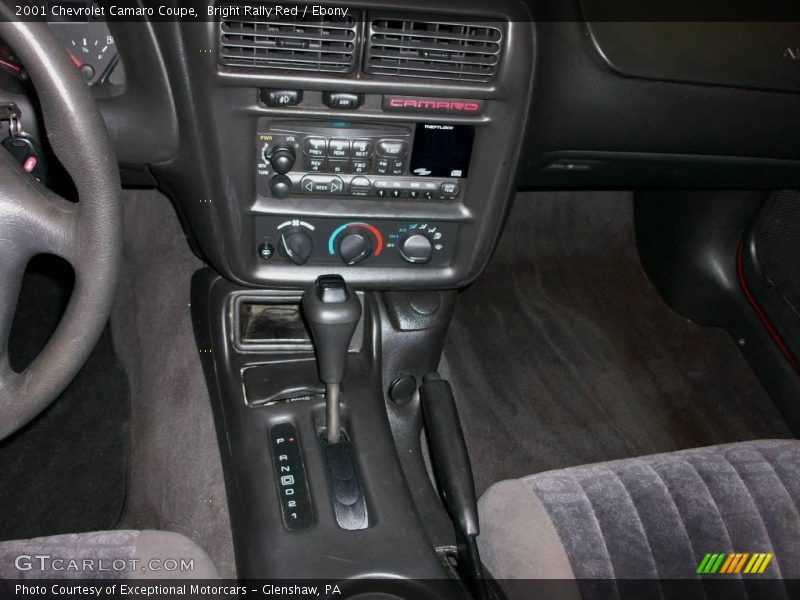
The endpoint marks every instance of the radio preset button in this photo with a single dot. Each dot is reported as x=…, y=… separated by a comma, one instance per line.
x=316, y=147
x=338, y=148
x=389, y=183
x=392, y=149
x=362, y=148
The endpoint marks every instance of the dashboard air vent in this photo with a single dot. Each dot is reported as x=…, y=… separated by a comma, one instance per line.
x=429, y=49
x=323, y=44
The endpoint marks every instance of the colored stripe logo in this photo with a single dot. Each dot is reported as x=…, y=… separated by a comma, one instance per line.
x=733, y=563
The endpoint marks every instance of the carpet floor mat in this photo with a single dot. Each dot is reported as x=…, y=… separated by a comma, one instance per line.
x=563, y=353
x=67, y=470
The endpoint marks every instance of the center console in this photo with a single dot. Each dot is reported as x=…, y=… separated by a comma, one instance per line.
x=394, y=178
x=379, y=147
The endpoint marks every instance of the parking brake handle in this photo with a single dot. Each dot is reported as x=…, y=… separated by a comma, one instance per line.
x=453, y=472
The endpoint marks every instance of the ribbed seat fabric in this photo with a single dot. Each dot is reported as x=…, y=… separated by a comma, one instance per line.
x=653, y=517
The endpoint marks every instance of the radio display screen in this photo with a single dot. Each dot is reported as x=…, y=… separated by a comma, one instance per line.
x=442, y=150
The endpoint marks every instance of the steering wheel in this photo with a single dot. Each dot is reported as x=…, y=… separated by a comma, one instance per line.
x=34, y=220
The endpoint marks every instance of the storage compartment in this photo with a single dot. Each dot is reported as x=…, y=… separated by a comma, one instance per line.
x=265, y=323
x=761, y=56
x=272, y=321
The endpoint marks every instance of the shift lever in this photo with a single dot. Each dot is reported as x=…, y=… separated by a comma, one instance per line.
x=332, y=310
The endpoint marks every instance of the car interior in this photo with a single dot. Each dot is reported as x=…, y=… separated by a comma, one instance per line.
x=417, y=298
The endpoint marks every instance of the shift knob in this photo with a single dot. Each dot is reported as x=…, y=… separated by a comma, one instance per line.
x=332, y=311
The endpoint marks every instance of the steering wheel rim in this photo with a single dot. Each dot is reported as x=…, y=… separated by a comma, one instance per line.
x=34, y=220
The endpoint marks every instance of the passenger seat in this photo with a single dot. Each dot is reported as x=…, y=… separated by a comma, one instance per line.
x=654, y=517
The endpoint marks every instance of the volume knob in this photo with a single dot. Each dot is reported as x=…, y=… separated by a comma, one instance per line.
x=282, y=159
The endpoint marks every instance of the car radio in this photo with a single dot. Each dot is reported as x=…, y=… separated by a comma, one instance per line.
x=426, y=161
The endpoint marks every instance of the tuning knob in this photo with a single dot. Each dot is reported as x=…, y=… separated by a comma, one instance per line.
x=296, y=246
x=280, y=186
x=355, y=247
x=417, y=249
x=282, y=159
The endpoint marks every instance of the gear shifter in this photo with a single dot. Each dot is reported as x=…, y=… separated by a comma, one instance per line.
x=332, y=311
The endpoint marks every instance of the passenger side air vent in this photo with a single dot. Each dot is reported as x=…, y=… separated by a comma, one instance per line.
x=322, y=44
x=430, y=49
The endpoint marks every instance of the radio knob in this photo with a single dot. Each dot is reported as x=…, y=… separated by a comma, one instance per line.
x=355, y=247
x=282, y=159
x=296, y=246
x=416, y=249
x=280, y=186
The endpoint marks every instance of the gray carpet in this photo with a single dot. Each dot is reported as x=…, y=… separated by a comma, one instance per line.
x=562, y=353
x=176, y=480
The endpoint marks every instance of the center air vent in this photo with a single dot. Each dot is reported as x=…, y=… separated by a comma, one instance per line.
x=430, y=49
x=326, y=44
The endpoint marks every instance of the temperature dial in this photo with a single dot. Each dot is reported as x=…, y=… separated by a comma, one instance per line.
x=355, y=242
x=355, y=247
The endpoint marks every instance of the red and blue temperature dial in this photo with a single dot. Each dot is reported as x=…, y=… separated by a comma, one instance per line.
x=355, y=242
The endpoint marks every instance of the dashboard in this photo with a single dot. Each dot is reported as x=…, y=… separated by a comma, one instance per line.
x=384, y=141
x=319, y=148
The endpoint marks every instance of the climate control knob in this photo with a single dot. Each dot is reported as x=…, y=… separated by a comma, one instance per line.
x=282, y=159
x=296, y=246
x=417, y=249
x=280, y=186
x=355, y=247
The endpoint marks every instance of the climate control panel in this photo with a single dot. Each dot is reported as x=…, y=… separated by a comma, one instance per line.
x=351, y=243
